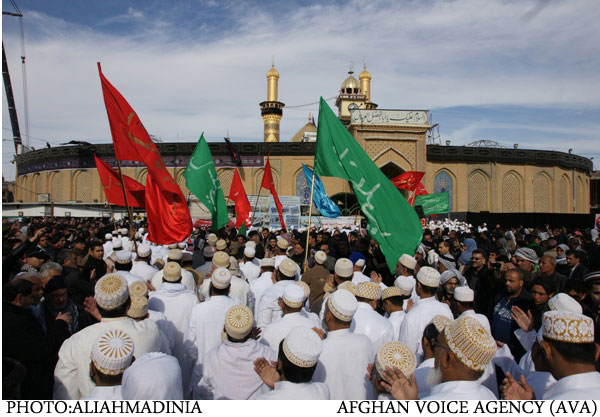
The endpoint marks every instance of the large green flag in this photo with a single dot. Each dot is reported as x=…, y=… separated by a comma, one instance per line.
x=438, y=203
x=393, y=223
x=202, y=180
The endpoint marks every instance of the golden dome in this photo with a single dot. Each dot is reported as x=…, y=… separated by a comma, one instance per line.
x=273, y=72
x=351, y=83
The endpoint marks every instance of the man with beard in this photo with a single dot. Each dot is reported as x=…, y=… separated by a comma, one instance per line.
x=95, y=267
x=462, y=351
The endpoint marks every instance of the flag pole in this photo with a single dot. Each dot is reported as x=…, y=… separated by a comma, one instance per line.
x=126, y=202
x=312, y=190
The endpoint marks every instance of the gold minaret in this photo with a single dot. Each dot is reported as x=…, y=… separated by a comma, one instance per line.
x=365, y=86
x=272, y=110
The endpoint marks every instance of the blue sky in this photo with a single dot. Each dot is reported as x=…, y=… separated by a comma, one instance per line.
x=523, y=71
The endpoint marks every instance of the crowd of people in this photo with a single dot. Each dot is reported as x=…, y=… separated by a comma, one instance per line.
x=93, y=310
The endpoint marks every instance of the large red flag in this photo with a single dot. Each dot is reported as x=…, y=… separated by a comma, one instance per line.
x=267, y=182
x=419, y=190
x=408, y=180
x=169, y=218
x=237, y=194
x=113, y=190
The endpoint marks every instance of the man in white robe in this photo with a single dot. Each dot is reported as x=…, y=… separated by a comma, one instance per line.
x=268, y=308
x=239, y=288
x=141, y=266
x=366, y=320
x=71, y=375
x=153, y=376
x=262, y=283
x=187, y=279
x=123, y=264
x=107, y=246
x=250, y=271
x=393, y=300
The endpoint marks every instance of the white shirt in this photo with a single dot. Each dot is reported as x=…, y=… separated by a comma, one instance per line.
x=275, y=332
x=153, y=376
x=129, y=277
x=342, y=365
x=249, y=271
x=286, y=390
x=421, y=376
x=238, y=290
x=105, y=393
x=359, y=277
x=108, y=248
x=187, y=279
x=460, y=390
x=396, y=319
x=168, y=332
x=143, y=270
x=72, y=373
x=584, y=386
x=268, y=308
x=257, y=289
x=204, y=333
x=373, y=325
x=176, y=302
x=411, y=332
x=228, y=371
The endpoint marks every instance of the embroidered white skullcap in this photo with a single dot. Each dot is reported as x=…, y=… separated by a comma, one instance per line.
x=209, y=251
x=288, y=267
x=171, y=272
x=396, y=355
x=144, y=250
x=406, y=284
x=320, y=257
x=221, y=278
x=249, y=252
x=472, y=344
x=212, y=239
x=368, y=290
x=293, y=296
x=172, y=246
x=117, y=243
x=429, y=277
x=464, y=294
x=440, y=322
x=138, y=307
x=282, y=244
x=348, y=286
x=221, y=259
x=528, y=254
x=267, y=262
x=565, y=326
x=302, y=347
x=123, y=257
x=140, y=381
x=251, y=244
x=112, y=352
x=239, y=321
x=123, y=230
x=111, y=291
x=221, y=244
x=408, y=261
x=344, y=268
x=342, y=304
x=107, y=236
x=391, y=292
x=564, y=302
x=138, y=289
x=304, y=287
x=175, y=255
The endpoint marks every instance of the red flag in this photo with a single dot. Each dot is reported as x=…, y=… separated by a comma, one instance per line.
x=237, y=194
x=408, y=180
x=267, y=182
x=113, y=190
x=169, y=218
x=420, y=190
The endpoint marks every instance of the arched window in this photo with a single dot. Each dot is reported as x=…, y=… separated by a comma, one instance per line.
x=511, y=193
x=478, y=192
x=541, y=194
x=443, y=183
x=302, y=189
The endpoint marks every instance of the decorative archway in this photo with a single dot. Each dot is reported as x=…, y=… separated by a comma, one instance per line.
x=542, y=197
x=511, y=193
x=478, y=186
x=443, y=182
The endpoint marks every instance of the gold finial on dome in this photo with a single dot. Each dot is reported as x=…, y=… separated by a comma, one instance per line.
x=365, y=82
x=272, y=72
x=364, y=73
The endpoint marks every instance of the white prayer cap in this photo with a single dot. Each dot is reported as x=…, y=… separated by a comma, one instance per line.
x=209, y=251
x=288, y=267
x=391, y=292
x=123, y=257
x=221, y=278
x=293, y=296
x=251, y=244
x=368, y=290
x=186, y=256
x=138, y=307
x=144, y=250
x=234, y=266
x=123, y=230
x=302, y=347
x=117, y=243
x=304, y=287
x=440, y=322
x=108, y=236
x=267, y=262
x=212, y=239
x=140, y=380
x=429, y=277
x=175, y=255
x=360, y=263
x=239, y=322
x=565, y=326
x=348, y=286
x=112, y=352
x=342, y=304
x=172, y=272
x=406, y=284
x=408, y=261
x=472, y=344
x=464, y=294
x=138, y=289
x=221, y=244
x=111, y=291
x=172, y=245
x=344, y=268
x=282, y=244
x=527, y=254
x=564, y=302
x=320, y=257
x=141, y=230
x=115, y=232
x=221, y=259
x=396, y=355
x=249, y=252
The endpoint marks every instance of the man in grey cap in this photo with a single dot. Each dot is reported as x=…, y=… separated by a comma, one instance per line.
x=526, y=259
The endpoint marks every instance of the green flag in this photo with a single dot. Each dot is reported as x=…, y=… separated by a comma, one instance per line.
x=242, y=230
x=433, y=203
x=392, y=221
x=202, y=180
